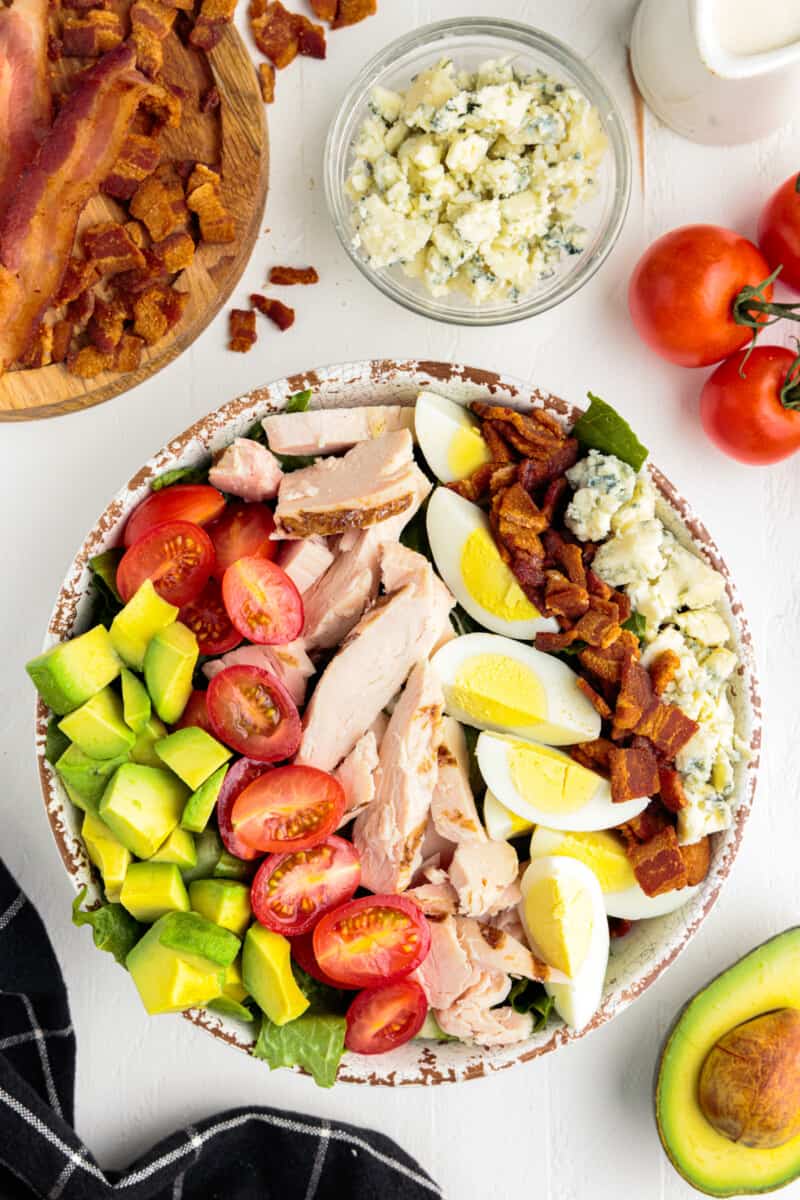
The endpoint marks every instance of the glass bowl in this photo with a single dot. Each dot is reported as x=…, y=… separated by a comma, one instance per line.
x=470, y=41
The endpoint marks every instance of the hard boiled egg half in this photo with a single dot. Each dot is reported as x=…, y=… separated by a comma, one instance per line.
x=501, y=823
x=496, y=683
x=546, y=786
x=565, y=922
x=604, y=853
x=449, y=437
x=469, y=562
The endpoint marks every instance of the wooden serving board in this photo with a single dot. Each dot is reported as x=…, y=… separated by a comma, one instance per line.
x=233, y=135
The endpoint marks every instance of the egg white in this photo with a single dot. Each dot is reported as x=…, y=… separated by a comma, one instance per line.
x=577, y=1000
x=569, y=719
x=442, y=428
x=501, y=823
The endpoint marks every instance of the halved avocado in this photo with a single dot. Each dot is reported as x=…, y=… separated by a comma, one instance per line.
x=766, y=979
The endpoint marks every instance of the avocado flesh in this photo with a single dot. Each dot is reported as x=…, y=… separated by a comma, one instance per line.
x=766, y=979
x=168, y=669
x=231, y=1002
x=200, y=804
x=98, y=727
x=192, y=935
x=181, y=962
x=267, y=975
x=142, y=806
x=150, y=890
x=192, y=754
x=86, y=778
x=179, y=848
x=208, y=847
x=134, y=626
x=223, y=901
x=143, y=751
x=111, y=858
x=136, y=705
x=69, y=674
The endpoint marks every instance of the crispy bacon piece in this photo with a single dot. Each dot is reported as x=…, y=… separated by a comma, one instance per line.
x=133, y=283
x=137, y=233
x=597, y=629
x=658, y=865
x=697, y=857
x=597, y=587
x=591, y=695
x=211, y=22
x=39, y=352
x=287, y=276
x=282, y=35
x=36, y=235
x=649, y=823
x=499, y=448
x=594, y=755
x=312, y=39
x=634, y=773
x=138, y=158
x=554, y=496
x=107, y=324
x=128, y=354
x=476, y=486
x=619, y=927
x=109, y=247
x=280, y=314
x=324, y=9
x=671, y=789
x=203, y=197
x=91, y=35
x=517, y=521
x=79, y=275
x=159, y=203
x=242, y=322
x=606, y=665
x=623, y=605
x=151, y=21
x=89, y=362
x=25, y=100
x=528, y=571
x=534, y=435
x=156, y=310
x=266, y=79
x=563, y=598
x=663, y=670
x=62, y=337
x=164, y=104
x=81, y=308
x=571, y=559
x=636, y=699
x=176, y=251
x=350, y=12
x=554, y=643
x=668, y=728
x=536, y=472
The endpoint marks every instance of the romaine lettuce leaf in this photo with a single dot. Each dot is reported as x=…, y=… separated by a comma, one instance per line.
x=113, y=928
x=314, y=1041
x=602, y=428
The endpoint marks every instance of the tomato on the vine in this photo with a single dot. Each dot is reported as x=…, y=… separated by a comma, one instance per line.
x=751, y=409
x=779, y=231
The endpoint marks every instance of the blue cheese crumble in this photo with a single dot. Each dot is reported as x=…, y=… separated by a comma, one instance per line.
x=469, y=180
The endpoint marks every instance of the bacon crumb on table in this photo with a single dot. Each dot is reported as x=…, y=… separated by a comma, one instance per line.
x=288, y=276
x=350, y=12
x=242, y=322
x=266, y=80
x=282, y=35
x=280, y=314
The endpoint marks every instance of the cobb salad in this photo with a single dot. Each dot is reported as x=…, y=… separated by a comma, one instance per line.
x=390, y=719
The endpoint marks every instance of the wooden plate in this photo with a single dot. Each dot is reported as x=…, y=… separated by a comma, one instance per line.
x=234, y=135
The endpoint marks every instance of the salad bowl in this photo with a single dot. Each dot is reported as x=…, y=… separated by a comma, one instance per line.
x=636, y=961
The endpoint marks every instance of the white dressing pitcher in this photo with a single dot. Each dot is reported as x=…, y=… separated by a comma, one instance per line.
x=719, y=71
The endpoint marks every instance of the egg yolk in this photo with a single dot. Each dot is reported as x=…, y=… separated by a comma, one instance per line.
x=490, y=581
x=497, y=690
x=559, y=915
x=602, y=852
x=467, y=451
x=550, y=781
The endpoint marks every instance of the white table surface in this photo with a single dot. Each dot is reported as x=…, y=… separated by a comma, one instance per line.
x=579, y=1123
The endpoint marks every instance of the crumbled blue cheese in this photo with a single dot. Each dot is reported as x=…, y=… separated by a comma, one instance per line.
x=603, y=485
x=499, y=155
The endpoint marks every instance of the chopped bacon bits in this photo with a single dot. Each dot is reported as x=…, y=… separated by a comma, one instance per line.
x=288, y=276
x=107, y=324
x=606, y=664
x=89, y=362
x=280, y=314
x=176, y=251
x=150, y=24
x=325, y=9
x=80, y=309
x=649, y=823
x=597, y=629
x=62, y=337
x=282, y=35
x=203, y=198
x=156, y=311
x=243, y=335
x=636, y=699
x=266, y=79
x=312, y=40
x=595, y=755
x=634, y=773
x=164, y=104
x=658, y=864
x=565, y=599
x=40, y=350
x=92, y=35
x=109, y=246
x=138, y=158
x=212, y=20
x=128, y=354
x=79, y=275
x=668, y=728
x=159, y=204
x=697, y=857
x=671, y=789
x=663, y=670
x=350, y=12
x=591, y=695
x=619, y=927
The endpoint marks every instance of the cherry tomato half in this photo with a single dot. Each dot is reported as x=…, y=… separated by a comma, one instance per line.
x=177, y=556
x=303, y=955
x=251, y=711
x=292, y=808
x=292, y=891
x=262, y=602
x=380, y=1019
x=779, y=231
x=209, y=622
x=242, y=532
x=197, y=503
x=372, y=941
x=195, y=713
x=755, y=419
x=239, y=776
x=683, y=289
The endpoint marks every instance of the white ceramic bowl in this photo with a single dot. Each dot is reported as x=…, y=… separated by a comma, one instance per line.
x=637, y=961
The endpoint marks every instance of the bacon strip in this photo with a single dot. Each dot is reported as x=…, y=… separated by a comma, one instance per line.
x=38, y=231
x=25, y=101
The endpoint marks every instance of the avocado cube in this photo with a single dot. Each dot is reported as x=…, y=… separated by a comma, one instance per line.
x=69, y=674
x=230, y=1008
x=208, y=846
x=234, y=987
x=228, y=866
x=136, y=706
x=179, y=848
x=143, y=751
x=132, y=629
x=192, y=754
x=267, y=975
x=152, y=889
x=108, y=854
x=224, y=902
x=200, y=804
x=142, y=805
x=86, y=777
x=170, y=979
x=189, y=933
x=168, y=669
x=98, y=727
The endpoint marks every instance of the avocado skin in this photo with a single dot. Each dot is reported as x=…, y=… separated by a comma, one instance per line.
x=792, y=933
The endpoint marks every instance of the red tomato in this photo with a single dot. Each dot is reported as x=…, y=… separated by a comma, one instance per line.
x=242, y=773
x=303, y=955
x=292, y=808
x=195, y=713
x=372, y=941
x=197, y=503
x=262, y=602
x=209, y=622
x=755, y=419
x=683, y=289
x=251, y=711
x=292, y=891
x=242, y=532
x=381, y=1018
x=779, y=231
x=177, y=556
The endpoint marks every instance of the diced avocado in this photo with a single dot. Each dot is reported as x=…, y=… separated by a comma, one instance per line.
x=208, y=846
x=230, y=1008
x=169, y=978
x=132, y=629
x=70, y=673
x=193, y=934
x=143, y=751
x=111, y=858
x=87, y=777
x=76, y=799
x=152, y=889
x=230, y=867
x=267, y=975
x=98, y=727
x=223, y=901
x=200, y=804
x=178, y=848
x=192, y=754
x=136, y=704
x=142, y=805
x=234, y=988
x=168, y=668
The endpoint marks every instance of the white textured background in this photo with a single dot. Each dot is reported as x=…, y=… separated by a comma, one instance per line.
x=578, y=1124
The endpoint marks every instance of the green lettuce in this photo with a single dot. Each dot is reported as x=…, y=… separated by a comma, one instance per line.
x=113, y=928
x=602, y=428
x=636, y=624
x=299, y=402
x=180, y=475
x=529, y=997
x=313, y=1041
x=107, y=601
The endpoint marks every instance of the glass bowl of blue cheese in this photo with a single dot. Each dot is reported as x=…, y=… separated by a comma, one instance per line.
x=478, y=171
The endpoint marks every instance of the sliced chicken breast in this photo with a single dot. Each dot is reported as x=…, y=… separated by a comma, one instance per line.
x=356, y=774
x=330, y=430
x=248, y=470
x=305, y=561
x=474, y=1017
x=435, y=899
x=453, y=806
x=480, y=872
x=447, y=971
x=495, y=950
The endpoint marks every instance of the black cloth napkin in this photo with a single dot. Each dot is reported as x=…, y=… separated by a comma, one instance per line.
x=241, y=1154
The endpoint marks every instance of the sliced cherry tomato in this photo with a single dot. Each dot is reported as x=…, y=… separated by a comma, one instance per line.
x=262, y=602
x=382, y=1018
x=292, y=891
x=372, y=941
x=779, y=231
x=197, y=503
x=242, y=532
x=251, y=711
x=303, y=955
x=177, y=556
x=209, y=622
x=195, y=713
x=239, y=776
x=292, y=808
x=755, y=419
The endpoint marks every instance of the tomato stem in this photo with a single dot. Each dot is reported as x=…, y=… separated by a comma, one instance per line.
x=750, y=306
x=790, y=392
